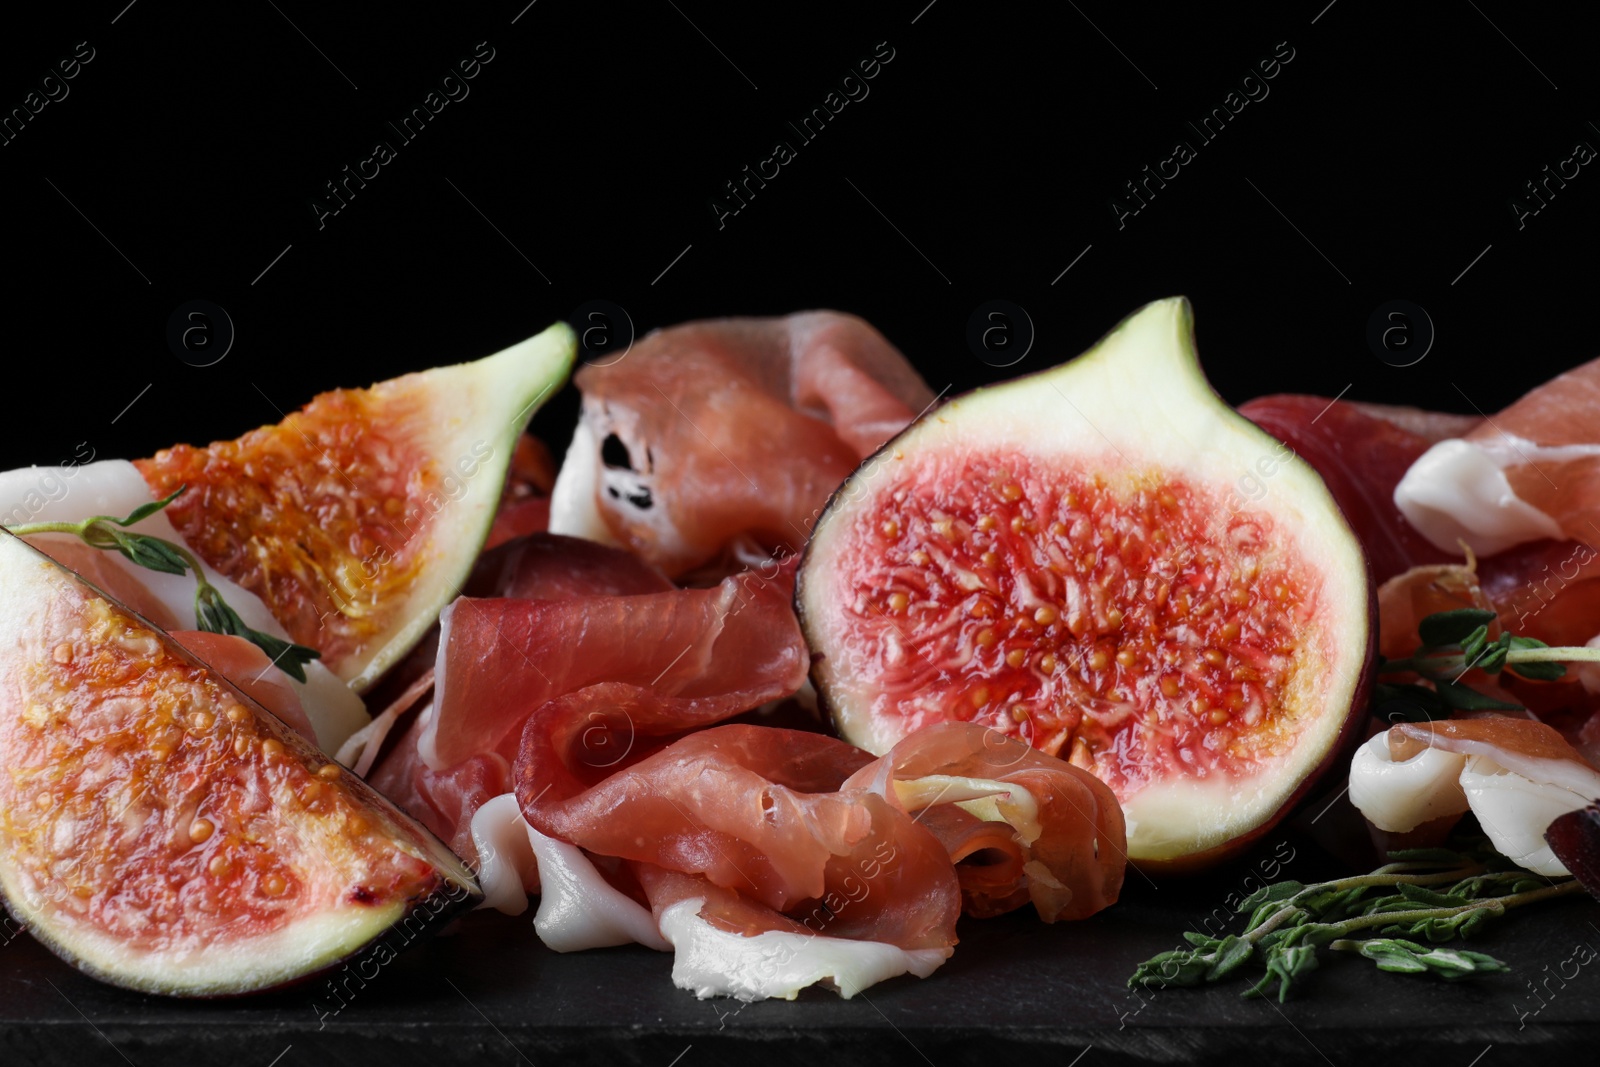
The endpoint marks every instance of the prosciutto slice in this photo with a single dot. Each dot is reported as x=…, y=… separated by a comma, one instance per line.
x=602, y=618
x=1531, y=472
x=751, y=809
x=1516, y=775
x=501, y=658
x=1044, y=830
x=773, y=860
x=1406, y=599
x=1362, y=452
x=723, y=439
x=724, y=945
x=762, y=872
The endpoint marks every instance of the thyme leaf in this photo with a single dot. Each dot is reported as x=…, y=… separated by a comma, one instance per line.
x=1393, y=916
x=212, y=613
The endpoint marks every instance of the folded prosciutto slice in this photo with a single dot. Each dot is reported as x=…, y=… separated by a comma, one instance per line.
x=723, y=439
x=752, y=809
x=773, y=859
x=724, y=944
x=1516, y=775
x=730, y=647
x=571, y=615
x=1039, y=828
x=1529, y=473
x=1362, y=452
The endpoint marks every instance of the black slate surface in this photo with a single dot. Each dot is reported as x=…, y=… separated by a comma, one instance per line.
x=490, y=993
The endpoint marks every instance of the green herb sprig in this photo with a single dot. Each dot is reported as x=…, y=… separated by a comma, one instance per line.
x=212, y=613
x=1454, y=642
x=1421, y=895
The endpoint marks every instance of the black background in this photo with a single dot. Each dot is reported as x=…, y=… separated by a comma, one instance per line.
x=1381, y=166
x=594, y=142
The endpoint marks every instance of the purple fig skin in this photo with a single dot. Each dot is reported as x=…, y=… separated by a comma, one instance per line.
x=1575, y=839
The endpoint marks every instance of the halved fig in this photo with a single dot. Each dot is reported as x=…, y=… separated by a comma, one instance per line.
x=357, y=518
x=1106, y=561
x=162, y=831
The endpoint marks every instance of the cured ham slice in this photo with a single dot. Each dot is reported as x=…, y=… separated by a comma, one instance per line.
x=751, y=809
x=1531, y=472
x=506, y=864
x=539, y=566
x=1362, y=452
x=1516, y=775
x=547, y=566
x=775, y=859
x=1432, y=426
x=763, y=875
x=1406, y=599
x=499, y=659
x=1546, y=589
x=724, y=438
x=444, y=801
x=579, y=908
x=725, y=946
x=1046, y=831
x=603, y=617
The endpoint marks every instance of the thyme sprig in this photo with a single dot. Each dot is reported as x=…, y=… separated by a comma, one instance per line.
x=1392, y=916
x=212, y=612
x=1454, y=642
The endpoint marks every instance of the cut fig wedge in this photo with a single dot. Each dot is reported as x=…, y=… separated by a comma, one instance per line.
x=164, y=832
x=1108, y=562
x=357, y=518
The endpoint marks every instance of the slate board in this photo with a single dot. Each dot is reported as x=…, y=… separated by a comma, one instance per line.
x=490, y=993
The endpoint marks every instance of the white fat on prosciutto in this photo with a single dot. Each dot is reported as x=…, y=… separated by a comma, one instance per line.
x=711, y=962
x=1515, y=775
x=574, y=510
x=1458, y=491
x=115, y=487
x=500, y=834
x=578, y=908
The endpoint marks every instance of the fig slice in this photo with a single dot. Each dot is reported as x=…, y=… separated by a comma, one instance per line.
x=357, y=518
x=162, y=831
x=1108, y=562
